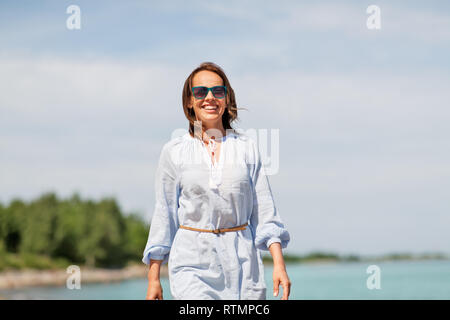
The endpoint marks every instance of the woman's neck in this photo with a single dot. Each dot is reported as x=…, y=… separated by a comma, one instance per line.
x=210, y=132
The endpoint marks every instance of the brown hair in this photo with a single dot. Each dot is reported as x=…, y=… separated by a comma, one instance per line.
x=230, y=113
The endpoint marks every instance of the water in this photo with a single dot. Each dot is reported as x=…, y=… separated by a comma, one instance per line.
x=399, y=280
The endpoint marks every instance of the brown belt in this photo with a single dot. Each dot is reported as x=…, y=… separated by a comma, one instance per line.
x=216, y=231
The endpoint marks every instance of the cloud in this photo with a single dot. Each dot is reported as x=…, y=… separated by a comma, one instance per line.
x=412, y=20
x=347, y=140
x=362, y=116
x=95, y=126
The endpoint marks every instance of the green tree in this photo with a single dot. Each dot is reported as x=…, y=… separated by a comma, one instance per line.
x=135, y=237
x=40, y=223
x=69, y=229
x=49, y=232
x=103, y=231
x=13, y=225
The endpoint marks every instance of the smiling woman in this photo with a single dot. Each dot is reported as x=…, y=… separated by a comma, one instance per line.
x=212, y=216
x=224, y=104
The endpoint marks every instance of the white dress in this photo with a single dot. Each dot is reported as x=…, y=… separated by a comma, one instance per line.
x=193, y=191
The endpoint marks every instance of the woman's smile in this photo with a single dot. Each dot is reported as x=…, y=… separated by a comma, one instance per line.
x=210, y=108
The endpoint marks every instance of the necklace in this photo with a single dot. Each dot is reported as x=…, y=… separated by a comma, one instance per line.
x=212, y=144
x=215, y=174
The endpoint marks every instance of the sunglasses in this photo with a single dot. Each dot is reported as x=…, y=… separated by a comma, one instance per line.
x=219, y=92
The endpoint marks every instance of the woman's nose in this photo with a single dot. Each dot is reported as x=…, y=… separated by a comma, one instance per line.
x=209, y=96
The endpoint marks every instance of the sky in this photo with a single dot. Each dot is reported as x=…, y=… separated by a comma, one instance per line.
x=362, y=114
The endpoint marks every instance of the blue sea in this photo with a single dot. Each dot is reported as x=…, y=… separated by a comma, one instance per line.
x=397, y=280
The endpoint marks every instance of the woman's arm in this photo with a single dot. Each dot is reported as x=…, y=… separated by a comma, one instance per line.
x=279, y=271
x=154, y=291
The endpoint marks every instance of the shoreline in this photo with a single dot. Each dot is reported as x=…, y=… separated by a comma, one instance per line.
x=19, y=279
x=26, y=278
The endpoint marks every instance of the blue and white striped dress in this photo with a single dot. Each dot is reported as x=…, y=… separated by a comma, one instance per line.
x=193, y=191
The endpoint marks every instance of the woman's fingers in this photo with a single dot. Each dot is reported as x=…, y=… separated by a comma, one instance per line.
x=280, y=277
x=286, y=289
x=154, y=295
x=276, y=284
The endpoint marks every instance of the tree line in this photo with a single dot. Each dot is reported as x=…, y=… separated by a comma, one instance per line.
x=53, y=232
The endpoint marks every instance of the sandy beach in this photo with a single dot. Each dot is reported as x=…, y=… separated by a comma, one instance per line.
x=15, y=279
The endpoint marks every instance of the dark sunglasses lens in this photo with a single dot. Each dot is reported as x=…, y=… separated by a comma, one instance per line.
x=200, y=92
x=219, y=92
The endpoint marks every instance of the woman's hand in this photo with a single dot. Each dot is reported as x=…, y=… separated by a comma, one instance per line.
x=154, y=290
x=280, y=277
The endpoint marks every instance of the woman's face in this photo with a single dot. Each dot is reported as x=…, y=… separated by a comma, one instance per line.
x=210, y=109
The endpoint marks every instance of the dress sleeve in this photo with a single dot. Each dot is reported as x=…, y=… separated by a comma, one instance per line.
x=265, y=221
x=164, y=223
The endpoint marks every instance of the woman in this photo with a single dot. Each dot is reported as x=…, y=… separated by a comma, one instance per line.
x=214, y=206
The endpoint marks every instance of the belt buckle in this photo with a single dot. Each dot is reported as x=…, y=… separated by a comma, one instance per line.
x=216, y=231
